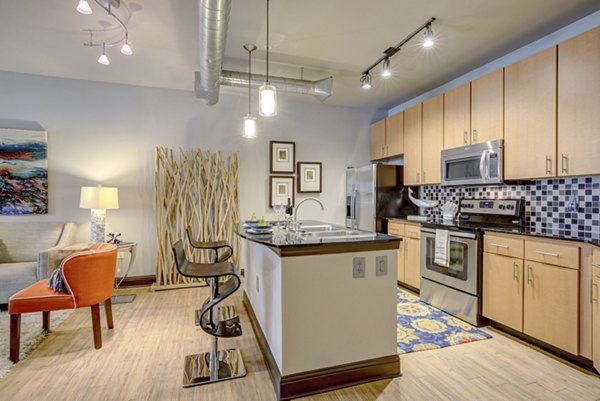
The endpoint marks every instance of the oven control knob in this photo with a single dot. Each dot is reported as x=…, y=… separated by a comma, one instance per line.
x=502, y=207
x=510, y=207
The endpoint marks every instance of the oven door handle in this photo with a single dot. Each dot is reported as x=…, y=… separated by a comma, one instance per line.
x=454, y=234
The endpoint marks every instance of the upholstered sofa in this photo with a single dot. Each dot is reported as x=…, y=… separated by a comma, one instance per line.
x=28, y=252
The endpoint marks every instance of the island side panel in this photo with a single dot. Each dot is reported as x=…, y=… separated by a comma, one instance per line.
x=262, y=285
x=331, y=318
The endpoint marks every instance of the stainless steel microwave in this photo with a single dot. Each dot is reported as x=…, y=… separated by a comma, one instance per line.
x=478, y=164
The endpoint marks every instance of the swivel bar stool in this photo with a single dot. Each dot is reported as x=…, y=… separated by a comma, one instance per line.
x=223, y=251
x=215, y=365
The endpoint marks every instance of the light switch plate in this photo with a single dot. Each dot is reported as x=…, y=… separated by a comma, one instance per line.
x=381, y=266
x=359, y=267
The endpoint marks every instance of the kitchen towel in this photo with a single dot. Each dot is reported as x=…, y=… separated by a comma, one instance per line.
x=442, y=243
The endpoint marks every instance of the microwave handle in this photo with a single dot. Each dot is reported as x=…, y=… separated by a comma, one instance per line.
x=482, y=167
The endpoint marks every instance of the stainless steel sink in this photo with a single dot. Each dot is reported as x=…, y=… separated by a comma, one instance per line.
x=316, y=228
x=338, y=234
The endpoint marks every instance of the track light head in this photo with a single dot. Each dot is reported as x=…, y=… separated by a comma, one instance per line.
x=428, y=40
x=84, y=8
x=386, y=70
x=365, y=81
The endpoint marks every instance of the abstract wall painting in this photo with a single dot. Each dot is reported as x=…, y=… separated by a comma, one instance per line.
x=23, y=172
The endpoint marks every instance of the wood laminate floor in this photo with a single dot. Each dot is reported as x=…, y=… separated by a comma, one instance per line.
x=142, y=360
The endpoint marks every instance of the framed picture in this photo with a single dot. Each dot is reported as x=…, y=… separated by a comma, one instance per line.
x=310, y=177
x=281, y=188
x=23, y=172
x=282, y=157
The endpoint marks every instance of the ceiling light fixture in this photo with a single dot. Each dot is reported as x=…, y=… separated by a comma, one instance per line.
x=267, y=94
x=108, y=5
x=428, y=39
x=386, y=71
x=103, y=59
x=83, y=7
x=249, y=119
x=365, y=79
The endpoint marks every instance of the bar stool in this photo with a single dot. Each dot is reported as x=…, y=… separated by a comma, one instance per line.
x=226, y=252
x=215, y=365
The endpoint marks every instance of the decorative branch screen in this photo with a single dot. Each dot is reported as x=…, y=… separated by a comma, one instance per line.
x=197, y=189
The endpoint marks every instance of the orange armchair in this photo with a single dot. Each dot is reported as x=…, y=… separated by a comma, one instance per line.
x=88, y=279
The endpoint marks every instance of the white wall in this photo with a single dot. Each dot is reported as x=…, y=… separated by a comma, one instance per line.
x=106, y=134
x=570, y=31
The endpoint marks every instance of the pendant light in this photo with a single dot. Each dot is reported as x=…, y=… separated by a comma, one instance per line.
x=249, y=119
x=103, y=59
x=267, y=94
x=83, y=7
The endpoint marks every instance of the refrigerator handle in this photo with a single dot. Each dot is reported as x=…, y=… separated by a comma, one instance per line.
x=354, y=222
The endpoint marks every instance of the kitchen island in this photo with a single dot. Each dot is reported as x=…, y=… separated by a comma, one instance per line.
x=322, y=301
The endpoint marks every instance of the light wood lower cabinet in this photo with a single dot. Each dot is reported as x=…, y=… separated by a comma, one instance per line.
x=400, y=262
x=550, y=305
x=503, y=290
x=596, y=315
x=412, y=262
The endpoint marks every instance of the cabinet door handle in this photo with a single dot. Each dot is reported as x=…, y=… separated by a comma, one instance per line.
x=418, y=177
x=474, y=135
x=529, y=275
x=595, y=265
x=565, y=162
x=423, y=176
x=592, y=298
x=548, y=165
x=515, y=271
x=500, y=246
x=554, y=255
x=466, y=137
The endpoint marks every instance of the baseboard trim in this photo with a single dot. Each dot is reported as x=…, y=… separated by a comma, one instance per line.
x=137, y=281
x=325, y=379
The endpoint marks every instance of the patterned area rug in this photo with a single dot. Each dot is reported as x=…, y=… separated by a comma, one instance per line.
x=32, y=334
x=422, y=327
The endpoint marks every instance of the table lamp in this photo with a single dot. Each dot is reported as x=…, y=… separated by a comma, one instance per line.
x=98, y=199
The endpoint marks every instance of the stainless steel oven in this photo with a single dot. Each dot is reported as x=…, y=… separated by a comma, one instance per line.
x=453, y=289
x=477, y=164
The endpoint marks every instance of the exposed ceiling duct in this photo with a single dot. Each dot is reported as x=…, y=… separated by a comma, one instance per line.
x=321, y=89
x=214, y=19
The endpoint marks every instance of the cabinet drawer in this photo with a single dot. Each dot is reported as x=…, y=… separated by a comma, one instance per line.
x=412, y=231
x=552, y=253
x=505, y=246
x=396, y=229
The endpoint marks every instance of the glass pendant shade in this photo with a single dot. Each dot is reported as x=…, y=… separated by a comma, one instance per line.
x=428, y=40
x=84, y=8
x=386, y=71
x=249, y=126
x=103, y=59
x=267, y=100
x=126, y=49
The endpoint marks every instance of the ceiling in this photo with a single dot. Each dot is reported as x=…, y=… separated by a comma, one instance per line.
x=327, y=37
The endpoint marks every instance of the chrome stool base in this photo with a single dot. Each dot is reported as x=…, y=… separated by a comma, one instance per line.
x=197, y=367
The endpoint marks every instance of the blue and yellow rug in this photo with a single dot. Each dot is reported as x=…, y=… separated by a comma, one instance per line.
x=422, y=327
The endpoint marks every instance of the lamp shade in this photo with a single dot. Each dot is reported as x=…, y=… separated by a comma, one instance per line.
x=99, y=198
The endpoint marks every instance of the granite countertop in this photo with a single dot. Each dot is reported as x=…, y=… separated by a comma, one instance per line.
x=282, y=238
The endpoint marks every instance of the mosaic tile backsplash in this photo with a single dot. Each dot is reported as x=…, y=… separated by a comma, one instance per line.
x=548, y=204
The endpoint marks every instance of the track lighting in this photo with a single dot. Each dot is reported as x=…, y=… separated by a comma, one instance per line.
x=83, y=7
x=428, y=39
x=108, y=5
x=386, y=71
x=103, y=59
x=365, y=81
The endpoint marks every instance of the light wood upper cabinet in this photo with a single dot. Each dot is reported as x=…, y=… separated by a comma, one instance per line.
x=550, y=305
x=530, y=117
x=503, y=290
x=487, y=107
x=378, y=150
x=394, y=135
x=433, y=139
x=412, y=145
x=457, y=117
x=579, y=105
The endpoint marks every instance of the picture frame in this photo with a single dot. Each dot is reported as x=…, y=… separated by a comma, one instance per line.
x=310, y=177
x=280, y=189
x=282, y=157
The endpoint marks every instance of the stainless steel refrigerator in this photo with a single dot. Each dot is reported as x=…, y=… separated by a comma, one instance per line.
x=373, y=193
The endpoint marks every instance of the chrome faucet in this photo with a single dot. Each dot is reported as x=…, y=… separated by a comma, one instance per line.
x=304, y=200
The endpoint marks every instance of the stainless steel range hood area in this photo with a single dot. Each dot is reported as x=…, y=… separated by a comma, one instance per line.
x=214, y=21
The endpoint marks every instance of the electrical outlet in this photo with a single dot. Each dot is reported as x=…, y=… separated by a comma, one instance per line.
x=381, y=266
x=358, y=267
x=257, y=284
